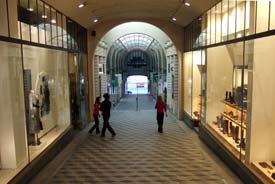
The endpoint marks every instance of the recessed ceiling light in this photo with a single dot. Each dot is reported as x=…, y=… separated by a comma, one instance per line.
x=81, y=5
x=44, y=16
x=187, y=3
x=95, y=20
x=174, y=19
x=30, y=9
x=53, y=21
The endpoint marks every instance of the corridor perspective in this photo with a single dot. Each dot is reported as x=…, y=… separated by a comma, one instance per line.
x=139, y=154
x=212, y=62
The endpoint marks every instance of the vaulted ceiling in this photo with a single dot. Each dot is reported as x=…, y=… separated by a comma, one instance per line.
x=131, y=9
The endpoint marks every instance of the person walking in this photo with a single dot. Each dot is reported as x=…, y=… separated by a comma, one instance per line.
x=96, y=115
x=161, y=109
x=105, y=108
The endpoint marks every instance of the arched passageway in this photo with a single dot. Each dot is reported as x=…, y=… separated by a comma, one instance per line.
x=137, y=48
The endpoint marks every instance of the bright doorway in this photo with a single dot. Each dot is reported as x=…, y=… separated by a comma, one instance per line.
x=137, y=84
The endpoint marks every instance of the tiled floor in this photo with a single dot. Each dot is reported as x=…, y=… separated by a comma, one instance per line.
x=138, y=154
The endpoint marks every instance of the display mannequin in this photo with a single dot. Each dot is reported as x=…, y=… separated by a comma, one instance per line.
x=42, y=88
x=35, y=122
x=45, y=94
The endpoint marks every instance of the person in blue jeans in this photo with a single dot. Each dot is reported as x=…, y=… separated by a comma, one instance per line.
x=105, y=108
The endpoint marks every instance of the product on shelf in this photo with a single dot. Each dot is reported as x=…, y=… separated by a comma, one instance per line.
x=265, y=165
x=273, y=163
x=273, y=176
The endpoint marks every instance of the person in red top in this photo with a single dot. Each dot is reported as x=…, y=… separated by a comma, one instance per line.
x=96, y=115
x=161, y=109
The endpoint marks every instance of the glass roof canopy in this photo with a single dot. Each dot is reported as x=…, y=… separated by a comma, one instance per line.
x=135, y=41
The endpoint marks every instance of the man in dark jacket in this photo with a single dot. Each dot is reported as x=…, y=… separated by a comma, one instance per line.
x=106, y=110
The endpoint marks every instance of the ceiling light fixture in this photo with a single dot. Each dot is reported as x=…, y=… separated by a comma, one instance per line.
x=30, y=9
x=95, y=20
x=44, y=16
x=81, y=5
x=186, y=3
x=174, y=19
x=53, y=21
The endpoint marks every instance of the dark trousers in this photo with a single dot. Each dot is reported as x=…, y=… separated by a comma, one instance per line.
x=160, y=116
x=107, y=125
x=96, y=125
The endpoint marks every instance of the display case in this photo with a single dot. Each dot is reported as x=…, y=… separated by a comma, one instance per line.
x=226, y=96
x=46, y=88
x=261, y=123
x=194, y=67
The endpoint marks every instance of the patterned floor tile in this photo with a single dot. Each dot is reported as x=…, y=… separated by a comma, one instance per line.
x=138, y=154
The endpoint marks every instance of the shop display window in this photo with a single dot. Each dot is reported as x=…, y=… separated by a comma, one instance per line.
x=13, y=136
x=193, y=67
x=260, y=52
x=226, y=96
x=47, y=91
x=188, y=83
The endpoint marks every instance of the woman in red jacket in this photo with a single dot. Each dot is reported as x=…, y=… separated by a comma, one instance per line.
x=96, y=115
x=161, y=108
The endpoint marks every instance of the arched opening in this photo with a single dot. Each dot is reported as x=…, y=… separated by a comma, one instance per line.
x=136, y=48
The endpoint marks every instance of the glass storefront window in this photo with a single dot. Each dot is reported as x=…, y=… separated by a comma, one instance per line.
x=14, y=25
x=13, y=140
x=196, y=84
x=225, y=18
x=241, y=10
x=3, y=18
x=272, y=15
x=41, y=18
x=47, y=19
x=54, y=35
x=213, y=25
x=188, y=83
x=250, y=17
x=218, y=13
x=260, y=53
x=59, y=30
x=25, y=11
x=209, y=27
x=65, y=32
x=46, y=83
x=33, y=21
x=224, y=100
x=262, y=16
x=232, y=19
x=203, y=35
